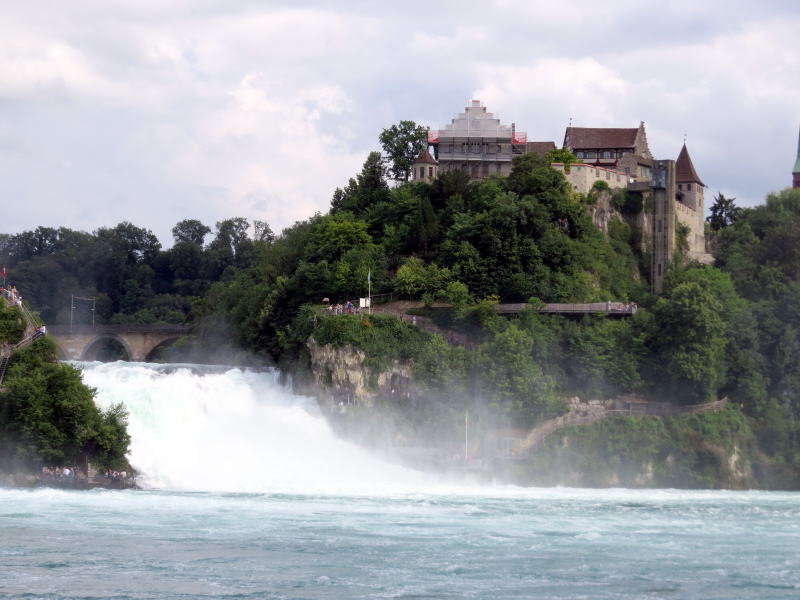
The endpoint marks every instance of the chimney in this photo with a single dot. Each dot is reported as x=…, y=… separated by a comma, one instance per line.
x=513, y=132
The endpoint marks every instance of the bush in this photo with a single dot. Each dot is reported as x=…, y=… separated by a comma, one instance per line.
x=12, y=325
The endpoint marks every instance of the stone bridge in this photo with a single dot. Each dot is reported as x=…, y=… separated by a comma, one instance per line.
x=139, y=341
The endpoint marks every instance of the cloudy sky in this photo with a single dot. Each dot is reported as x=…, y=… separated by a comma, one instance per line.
x=158, y=110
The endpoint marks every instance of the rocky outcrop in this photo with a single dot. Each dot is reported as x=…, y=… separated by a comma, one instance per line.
x=344, y=379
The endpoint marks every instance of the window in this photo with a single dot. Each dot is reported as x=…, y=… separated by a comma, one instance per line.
x=450, y=148
x=474, y=172
x=689, y=187
x=579, y=154
x=606, y=154
x=485, y=169
x=430, y=172
x=422, y=172
x=620, y=154
x=498, y=169
x=659, y=228
x=591, y=154
x=659, y=269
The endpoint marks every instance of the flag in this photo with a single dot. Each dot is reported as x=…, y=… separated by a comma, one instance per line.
x=4, y=271
x=369, y=275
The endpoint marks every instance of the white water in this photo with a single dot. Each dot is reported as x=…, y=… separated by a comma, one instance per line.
x=352, y=526
x=236, y=431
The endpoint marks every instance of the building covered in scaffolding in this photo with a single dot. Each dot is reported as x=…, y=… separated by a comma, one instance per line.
x=477, y=143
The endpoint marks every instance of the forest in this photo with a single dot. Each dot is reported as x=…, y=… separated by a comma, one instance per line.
x=728, y=330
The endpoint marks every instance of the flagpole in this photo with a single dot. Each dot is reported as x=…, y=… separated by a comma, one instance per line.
x=369, y=292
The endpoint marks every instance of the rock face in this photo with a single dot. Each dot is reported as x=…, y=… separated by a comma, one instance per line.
x=602, y=211
x=343, y=378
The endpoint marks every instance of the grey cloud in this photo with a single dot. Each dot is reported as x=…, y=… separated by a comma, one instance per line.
x=117, y=110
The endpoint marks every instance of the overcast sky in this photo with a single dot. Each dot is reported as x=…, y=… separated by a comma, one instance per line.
x=154, y=111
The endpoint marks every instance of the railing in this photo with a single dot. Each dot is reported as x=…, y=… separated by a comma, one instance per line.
x=132, y=328
x=382, y=298
x=618, y=308
x=476, y=156
x=30, y=330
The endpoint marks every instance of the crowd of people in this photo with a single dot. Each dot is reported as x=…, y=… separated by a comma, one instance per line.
x=13, y=296
x=115, y=475
x=342, y=309
x=629, y=307
x=59, y=473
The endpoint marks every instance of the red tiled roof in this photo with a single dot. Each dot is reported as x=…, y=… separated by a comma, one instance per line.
x=425, y=157
x=684, y=169
x=600, y=137
x=539, y=148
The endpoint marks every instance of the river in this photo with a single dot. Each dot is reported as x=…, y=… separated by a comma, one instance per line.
x=249, y=495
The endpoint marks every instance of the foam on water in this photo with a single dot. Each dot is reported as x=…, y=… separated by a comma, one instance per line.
x=236, y=431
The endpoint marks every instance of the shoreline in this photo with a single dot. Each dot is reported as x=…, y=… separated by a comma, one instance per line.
x=21, y=480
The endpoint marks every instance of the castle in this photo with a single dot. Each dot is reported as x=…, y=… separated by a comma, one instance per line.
x=477, y=143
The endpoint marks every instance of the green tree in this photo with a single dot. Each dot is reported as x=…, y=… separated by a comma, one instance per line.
x=262, y=232
x=402, y=143
x=514, y=381
x=689, y=344
x=724, y=212
x=563, y=156
x=191, y=231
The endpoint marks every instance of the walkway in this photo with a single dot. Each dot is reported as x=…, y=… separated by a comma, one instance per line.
x=621, y=309
x=585, y=414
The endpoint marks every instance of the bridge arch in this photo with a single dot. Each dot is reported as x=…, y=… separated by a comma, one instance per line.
x=155, y=350
x=137, y=341
x=93, y=348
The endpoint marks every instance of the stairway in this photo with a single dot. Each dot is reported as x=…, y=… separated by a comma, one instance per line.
x=3, y=366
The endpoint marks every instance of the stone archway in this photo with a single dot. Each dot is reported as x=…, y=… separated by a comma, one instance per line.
x=94, y=349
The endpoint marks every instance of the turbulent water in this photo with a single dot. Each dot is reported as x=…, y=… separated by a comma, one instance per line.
x=251, y=496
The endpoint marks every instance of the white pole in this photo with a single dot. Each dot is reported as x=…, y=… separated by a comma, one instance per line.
x=369, y=292
x=466, y=436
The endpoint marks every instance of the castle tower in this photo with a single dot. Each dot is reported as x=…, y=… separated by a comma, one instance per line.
x=689, y=197
x=690, y=186
x=796, y=170
x=424, y=168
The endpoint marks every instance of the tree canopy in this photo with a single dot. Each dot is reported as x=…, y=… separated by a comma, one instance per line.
x=402, y=143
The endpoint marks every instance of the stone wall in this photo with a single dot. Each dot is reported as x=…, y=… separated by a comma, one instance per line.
x=697, y=238
x=582, y=177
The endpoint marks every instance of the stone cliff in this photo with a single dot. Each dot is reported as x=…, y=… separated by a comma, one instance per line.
x=343, y=378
